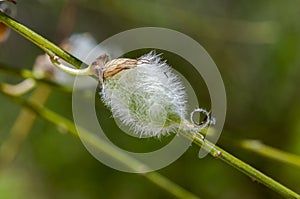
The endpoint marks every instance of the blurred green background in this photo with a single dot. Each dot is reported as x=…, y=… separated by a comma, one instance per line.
x=256, y=46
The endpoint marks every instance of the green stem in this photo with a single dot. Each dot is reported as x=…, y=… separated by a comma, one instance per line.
x=21, y=88
x=28, y=74
x=255, y=146
x=166, y=184
x=245, y=168
x=40, y=41
x=213, y=150
x=258, y=147
x=22, y=126
x=102, y=146
x=268, y=151
x=72, y=71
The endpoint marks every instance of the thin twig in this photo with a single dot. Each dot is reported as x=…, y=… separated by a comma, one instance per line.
x=28, y=74
x=22, y=126
x=102, y=146
x=264, y=150
x=260, y=148
x=213, y=150
x=245, y=168
x=40, y=41
x=20, y=88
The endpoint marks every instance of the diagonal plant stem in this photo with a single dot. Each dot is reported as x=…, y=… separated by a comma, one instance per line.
x=245, y=168
x=260, y=148
x=22, y=126
x=40, y=41
x=21, y=88
x=197, y=138
x=252, y=145
x=255, y=146
x=264, y=150
x=154, y=177
x=28, y=74
x=26, y=119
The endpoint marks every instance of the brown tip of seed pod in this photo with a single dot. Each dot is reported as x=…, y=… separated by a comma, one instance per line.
x=115, y=66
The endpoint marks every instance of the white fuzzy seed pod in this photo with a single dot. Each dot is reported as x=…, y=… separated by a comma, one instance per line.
x=144, y=94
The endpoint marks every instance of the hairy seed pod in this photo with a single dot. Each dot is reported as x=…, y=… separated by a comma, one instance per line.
x=144, y=94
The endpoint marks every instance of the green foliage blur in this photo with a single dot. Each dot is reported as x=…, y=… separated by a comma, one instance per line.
x=256, y=46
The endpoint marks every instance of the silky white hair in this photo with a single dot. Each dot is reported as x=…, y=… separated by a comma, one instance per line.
x=149, y=98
